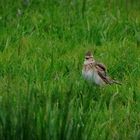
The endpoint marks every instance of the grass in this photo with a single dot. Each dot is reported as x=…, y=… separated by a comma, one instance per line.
x=42, y=47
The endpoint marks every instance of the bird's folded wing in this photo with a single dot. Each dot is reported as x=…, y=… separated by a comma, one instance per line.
x=101, y=70
x=100, y=66
x=104, y=77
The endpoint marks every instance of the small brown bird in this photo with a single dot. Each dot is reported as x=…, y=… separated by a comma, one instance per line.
x=96, y=72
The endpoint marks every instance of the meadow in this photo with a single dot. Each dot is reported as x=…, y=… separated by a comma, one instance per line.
x=43, y=95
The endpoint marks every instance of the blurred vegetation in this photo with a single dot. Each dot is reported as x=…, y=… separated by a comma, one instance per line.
x=42, y=47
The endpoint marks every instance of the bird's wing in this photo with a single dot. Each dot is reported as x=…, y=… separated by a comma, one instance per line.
x=100, y=66
x=104, y=77
x=101, y=70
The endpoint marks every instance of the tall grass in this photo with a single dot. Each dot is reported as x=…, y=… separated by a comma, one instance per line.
x=42, y=47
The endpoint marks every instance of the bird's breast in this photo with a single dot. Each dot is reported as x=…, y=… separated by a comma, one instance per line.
x=88, y=75
x=92, y=76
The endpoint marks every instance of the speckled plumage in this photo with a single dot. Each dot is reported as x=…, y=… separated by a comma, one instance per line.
x=95, y=72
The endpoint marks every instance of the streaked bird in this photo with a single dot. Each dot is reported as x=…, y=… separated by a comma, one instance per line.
x=96, y=72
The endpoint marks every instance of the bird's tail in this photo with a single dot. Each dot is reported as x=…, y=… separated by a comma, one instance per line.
x=116, y=82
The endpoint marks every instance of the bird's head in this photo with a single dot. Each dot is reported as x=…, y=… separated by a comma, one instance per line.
x=88, y=58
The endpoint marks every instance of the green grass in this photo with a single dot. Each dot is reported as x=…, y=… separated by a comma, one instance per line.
x=42, y=48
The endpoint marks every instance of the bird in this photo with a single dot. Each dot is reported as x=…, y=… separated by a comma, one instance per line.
x=96, y=72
